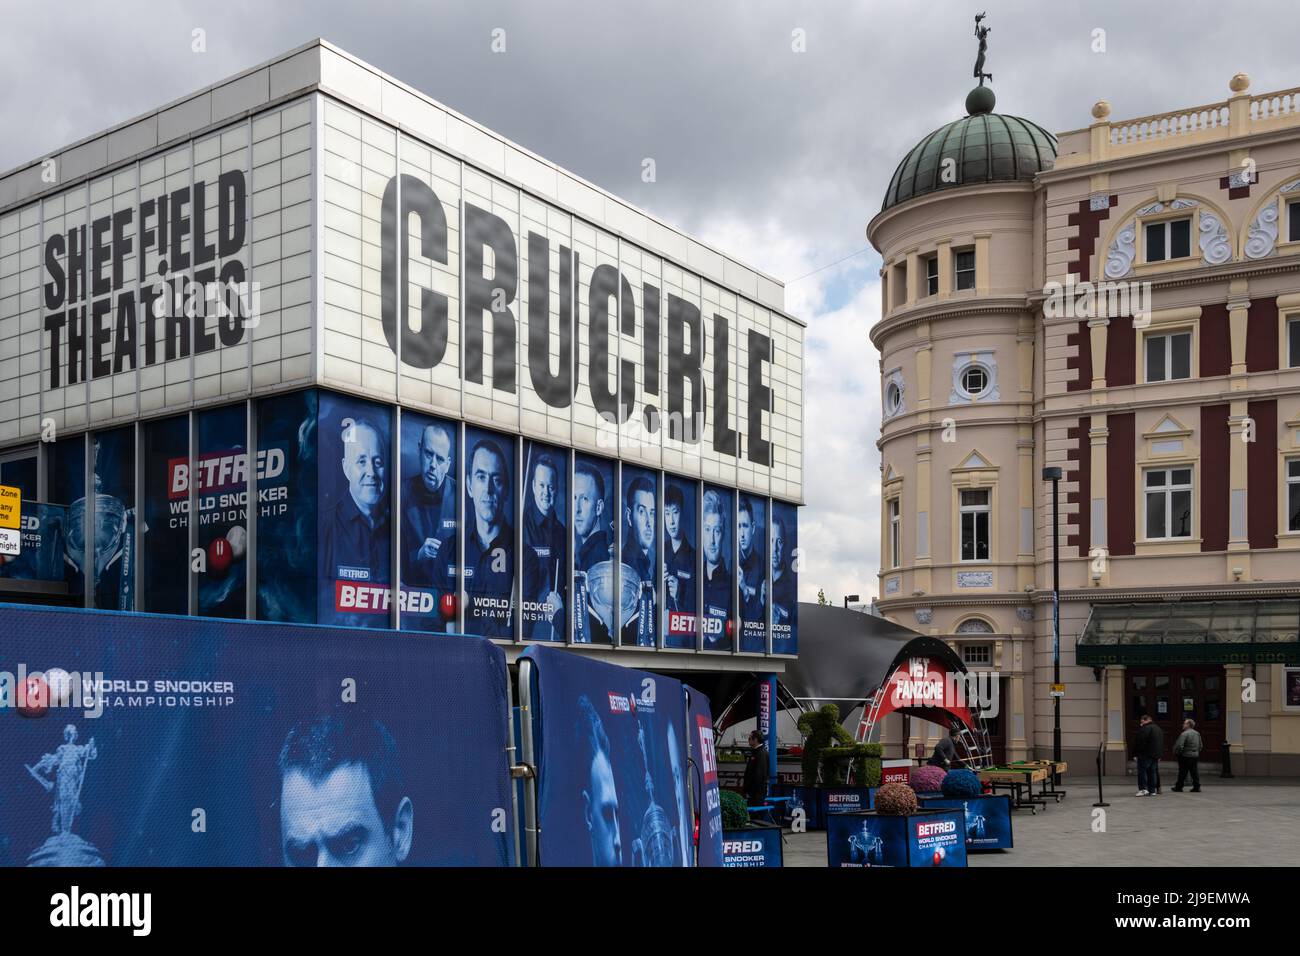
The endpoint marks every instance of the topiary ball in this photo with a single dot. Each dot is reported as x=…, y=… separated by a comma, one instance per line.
x=895, y=799
x=962, y=783
x=927, y=779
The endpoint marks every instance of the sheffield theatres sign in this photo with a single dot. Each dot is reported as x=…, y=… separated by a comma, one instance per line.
x=102, y=318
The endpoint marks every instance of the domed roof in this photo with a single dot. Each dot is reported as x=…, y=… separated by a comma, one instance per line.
x=987, y=147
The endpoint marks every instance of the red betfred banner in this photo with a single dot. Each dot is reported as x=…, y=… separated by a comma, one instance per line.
x=923, y=687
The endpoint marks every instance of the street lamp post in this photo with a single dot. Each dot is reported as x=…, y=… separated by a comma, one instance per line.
x=848, y=598
x=1054, y=476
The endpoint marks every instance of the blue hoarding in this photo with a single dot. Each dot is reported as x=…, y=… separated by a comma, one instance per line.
x=202, y=742
x=42, y=547
x=593, y=550
x=640, y=574
x=489, y=571
x=429, y=499
x=680, y=571
x=611, y=774
x=286, y=515
x=546, y=535
x=758, y=846
x=988, y=819
x=355, y=526
x=785, y=578
x=752, y=565
x=922, y=839
x=704, y=780
x=717, y=585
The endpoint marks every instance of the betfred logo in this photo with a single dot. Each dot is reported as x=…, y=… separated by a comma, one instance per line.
x=360, y=598
x=842, y=798
x=731, y=847
x=619, y=703
x=708, y=756
x=681, y=623
x=221, y=470
x=935, y=828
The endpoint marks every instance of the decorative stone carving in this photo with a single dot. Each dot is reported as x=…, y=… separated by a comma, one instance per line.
x=1098, y=203
x=1122, y=252
x=893, y=380
x=961, y=361
x=892, y=585
x=974, y=626
x=1240, y=178
x=1182, y=204
x=1261, y=237
x=924, y=615
x=974, y=579
x=1216, y=249
x=1025, y=613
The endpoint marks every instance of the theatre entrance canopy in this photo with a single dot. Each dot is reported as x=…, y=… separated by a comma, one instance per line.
x=1192, y=632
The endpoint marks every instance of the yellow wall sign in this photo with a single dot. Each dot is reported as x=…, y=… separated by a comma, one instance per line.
x=10, y=507
x=1058, y=690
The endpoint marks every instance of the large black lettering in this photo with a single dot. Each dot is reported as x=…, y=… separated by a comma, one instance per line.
x=605, y=283
x=149, y=294
x=233, y=317
x=100, y=335
x=232, y=211
x=76, y=264
x=99, y=256
x=489, y=293
x=760, y=397
x=57, y=287
x=685, y=351
x=724, y=437
x=76, y=345
x=179, y=229
x=204, y=252
x=148, y=234
x=426, y=346
x=124, y=340
x=555, y=390
x=204, y=339
x=54, y=326
x=122, y=243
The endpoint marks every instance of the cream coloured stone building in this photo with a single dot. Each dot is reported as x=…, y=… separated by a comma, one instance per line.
x=1120, y=301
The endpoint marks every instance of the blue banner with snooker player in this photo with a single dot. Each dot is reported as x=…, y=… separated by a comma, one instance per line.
x=717, y=584
x=490, y=535
x=785, y=578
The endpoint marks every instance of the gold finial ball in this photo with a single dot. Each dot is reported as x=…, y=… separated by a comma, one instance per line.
x=1239, y=83
x=1100, y=110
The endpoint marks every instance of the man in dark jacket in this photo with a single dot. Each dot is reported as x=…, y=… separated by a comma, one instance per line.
x=756, y=771
x=1150, y=747
x=945, y=751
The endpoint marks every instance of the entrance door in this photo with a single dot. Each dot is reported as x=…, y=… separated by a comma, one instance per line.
x=997, y=726
x=1173, y=694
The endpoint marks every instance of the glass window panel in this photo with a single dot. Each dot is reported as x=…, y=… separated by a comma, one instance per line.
x=1180, y=238
x=1155, y=515
x=1162, y=682
x=114, y=519
x=1182, y=514
x=1182, y=476
x=1293, y=327
x=1293, y=221
x=221, y=461
x=1139, y=682
x=1155, y=346
x=1155, y=479
x=1182, y=356
x=1155, y=242
x=21, y=474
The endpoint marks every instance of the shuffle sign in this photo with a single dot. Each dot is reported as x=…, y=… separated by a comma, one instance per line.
x=489, y=300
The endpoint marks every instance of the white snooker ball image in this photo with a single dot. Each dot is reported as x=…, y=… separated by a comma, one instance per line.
x=238, y=538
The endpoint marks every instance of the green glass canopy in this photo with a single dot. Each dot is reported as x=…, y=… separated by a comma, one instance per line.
x=1192, y=632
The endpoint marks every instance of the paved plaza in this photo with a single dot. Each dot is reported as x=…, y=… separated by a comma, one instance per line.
x=1238, y=822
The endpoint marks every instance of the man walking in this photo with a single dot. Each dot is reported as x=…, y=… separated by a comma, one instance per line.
x=1187, y=748
x=756, y=769
x=1150, y=747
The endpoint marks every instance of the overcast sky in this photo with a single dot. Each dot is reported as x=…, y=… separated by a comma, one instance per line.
x=776, y=156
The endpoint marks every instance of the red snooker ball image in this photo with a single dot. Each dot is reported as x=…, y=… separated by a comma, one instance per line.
x=35, y=699
x=220, y=554
x=447, y=605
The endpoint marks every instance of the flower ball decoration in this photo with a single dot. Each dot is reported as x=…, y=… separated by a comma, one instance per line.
x=962, y=783
x=927, y=779
x=896, y=800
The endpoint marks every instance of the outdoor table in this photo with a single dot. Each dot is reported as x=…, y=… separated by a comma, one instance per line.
x=1020, y=781
x=1053, y=767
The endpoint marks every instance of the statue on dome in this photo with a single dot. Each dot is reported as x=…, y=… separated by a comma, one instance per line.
x=982, y=34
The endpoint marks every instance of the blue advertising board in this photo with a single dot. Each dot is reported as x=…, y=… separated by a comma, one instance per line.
x=593, y=550
x=166, y=741
x=922, y=839
x=988, y=818
x=680, y=572
x=752, y=566
x=704, y=780
x=611, y=764
x=757, y=846
x=546, y=534
x=639, y=618
x=717, y=585
x=785, y=578
x=430, y=459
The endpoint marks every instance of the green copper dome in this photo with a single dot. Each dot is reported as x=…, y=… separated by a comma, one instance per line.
x=986, y=147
